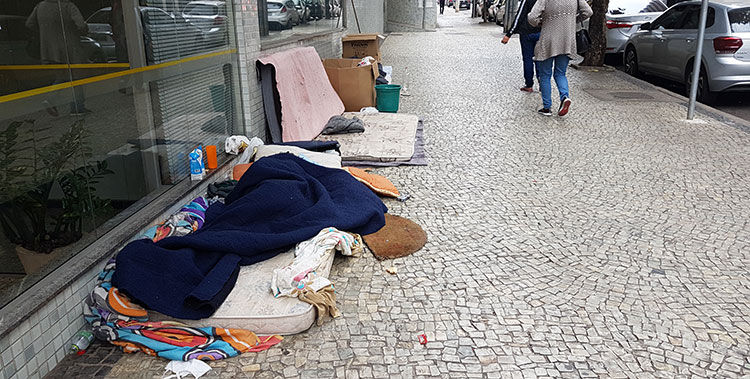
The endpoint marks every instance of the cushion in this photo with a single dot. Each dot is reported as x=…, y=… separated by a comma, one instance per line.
x=239, y=170
x=377, y=183
x=398, y=238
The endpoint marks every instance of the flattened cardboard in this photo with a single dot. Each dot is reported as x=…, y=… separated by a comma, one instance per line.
x=354, y=85
x=360, y=46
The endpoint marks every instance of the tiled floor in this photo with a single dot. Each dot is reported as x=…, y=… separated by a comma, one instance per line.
x=611, y=243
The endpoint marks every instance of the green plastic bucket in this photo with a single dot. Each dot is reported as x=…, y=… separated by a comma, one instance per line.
x=387, y=97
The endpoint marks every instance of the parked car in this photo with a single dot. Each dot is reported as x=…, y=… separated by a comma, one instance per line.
x=282, y=14
x=625, y=17
x=303, y=10
x=211, y=18
x=497, y=11
x=166, y=36
x=15, y=37
x=666, y=47
x=464, y=4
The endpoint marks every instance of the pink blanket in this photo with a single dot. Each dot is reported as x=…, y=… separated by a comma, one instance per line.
x=307, y=97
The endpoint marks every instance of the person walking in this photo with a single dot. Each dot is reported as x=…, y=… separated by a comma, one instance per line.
x=528, y=35
x=557, y=44
x=442, y=6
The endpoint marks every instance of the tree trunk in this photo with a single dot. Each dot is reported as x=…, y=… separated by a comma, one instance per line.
x=598, y=34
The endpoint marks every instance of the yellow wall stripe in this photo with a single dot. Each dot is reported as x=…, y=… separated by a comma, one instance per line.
x=62, y=66
x=98, y=78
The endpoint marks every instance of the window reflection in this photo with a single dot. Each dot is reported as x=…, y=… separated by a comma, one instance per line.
x=98, y=110
x=287, y=18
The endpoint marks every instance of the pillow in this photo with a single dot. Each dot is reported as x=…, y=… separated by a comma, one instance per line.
x=239, y=169
x=322, y=159
x=377, y=183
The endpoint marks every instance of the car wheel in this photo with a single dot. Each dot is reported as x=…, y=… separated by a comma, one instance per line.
x=704, y=94
x=631, y=62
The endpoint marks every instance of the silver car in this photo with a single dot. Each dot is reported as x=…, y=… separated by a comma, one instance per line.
x=282, y=14
x=625, y=17
x=210, y=16
x=666, y=47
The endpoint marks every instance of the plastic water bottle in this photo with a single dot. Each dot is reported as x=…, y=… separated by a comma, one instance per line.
x=405, y=86
x=81, y=341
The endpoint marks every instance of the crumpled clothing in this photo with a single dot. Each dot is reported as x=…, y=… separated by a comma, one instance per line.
x=181, y=369
x=341, y=124
x=189, y=219
x=221, y=189
x=323, y=299
x=311, y=256
x=366, y=61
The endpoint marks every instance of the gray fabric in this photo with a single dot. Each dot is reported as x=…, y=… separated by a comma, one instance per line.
x=557, y=19
x=60, y=26
x=341, y=124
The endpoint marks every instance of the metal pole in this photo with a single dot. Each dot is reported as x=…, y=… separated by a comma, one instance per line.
x=698, y=60
x=354, y=8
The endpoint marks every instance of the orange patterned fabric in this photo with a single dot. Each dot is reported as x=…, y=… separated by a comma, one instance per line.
x=377, y=183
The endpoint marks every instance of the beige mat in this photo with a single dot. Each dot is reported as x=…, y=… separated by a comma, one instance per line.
x=387, y=137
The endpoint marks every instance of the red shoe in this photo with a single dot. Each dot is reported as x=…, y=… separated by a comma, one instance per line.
x=564, y=107
x=527, y=89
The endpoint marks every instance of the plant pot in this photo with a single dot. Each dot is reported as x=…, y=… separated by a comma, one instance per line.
x=34, y=262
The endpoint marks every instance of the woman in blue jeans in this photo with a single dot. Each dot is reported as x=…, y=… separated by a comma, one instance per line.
x=557, y=44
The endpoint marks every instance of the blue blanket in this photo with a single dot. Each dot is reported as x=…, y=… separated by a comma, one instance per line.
x=281, y=200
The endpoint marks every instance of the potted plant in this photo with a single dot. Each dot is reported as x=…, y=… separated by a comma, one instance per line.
x=27, y=215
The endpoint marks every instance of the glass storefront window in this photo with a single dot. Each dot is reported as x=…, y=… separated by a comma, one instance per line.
x=100, y=103
x=283, y=19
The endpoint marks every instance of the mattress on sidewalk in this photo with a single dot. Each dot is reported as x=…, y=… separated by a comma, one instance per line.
x=251, y=305
x=388, y=137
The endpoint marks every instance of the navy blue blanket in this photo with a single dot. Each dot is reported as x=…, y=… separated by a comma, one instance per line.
x=280, y=201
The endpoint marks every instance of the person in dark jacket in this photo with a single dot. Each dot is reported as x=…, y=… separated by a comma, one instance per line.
x=529, y=36
x=442, y=6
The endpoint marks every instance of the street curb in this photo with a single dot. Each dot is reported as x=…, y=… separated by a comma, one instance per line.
x=604, y=68
x=706, y=110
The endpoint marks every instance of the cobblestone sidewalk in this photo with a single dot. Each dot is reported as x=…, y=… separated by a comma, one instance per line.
x=612, y=243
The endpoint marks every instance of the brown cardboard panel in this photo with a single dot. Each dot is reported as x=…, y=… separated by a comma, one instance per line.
x=354, y=85
x=361, y=45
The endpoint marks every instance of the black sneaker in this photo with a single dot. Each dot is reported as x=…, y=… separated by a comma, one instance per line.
x=545, y=112
x=564, y=107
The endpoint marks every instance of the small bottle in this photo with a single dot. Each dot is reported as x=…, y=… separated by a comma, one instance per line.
x=405, y=86
x=81, y=341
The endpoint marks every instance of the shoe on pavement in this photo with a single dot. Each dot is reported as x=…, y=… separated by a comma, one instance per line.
x=527, y=89
x=545, y=112
x=564, y=107
x=80, y=112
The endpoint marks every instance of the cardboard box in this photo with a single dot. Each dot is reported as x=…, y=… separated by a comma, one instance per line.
x=354, y=85
x=361, y=45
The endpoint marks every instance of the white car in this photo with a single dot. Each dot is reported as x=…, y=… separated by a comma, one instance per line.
x=282, y=14
x=625, y=17
x=667, y=46
x=210, y=17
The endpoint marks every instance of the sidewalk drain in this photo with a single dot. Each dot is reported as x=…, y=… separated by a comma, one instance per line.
x=631, y=96
x=456, y=33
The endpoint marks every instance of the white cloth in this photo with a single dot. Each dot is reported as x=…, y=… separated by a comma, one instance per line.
x=181, y=369
x=310, y=257
x=322, y=159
